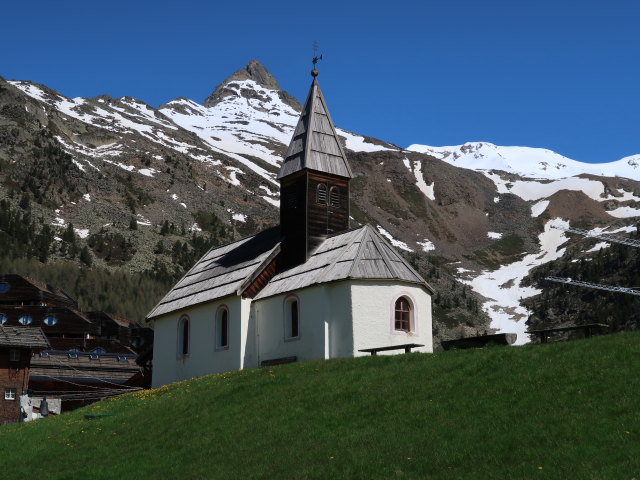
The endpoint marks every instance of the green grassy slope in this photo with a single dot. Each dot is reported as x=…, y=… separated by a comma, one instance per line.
x=561, y=411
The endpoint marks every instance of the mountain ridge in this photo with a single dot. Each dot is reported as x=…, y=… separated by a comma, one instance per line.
x=154, y=182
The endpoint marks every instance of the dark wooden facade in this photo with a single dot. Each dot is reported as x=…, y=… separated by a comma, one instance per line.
x=314, y=206
x=100, y=339
x=14, y=377
x=262, y=279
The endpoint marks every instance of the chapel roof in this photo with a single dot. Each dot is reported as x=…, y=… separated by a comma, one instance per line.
x=356, y=254
x=219, y=273
x=315, y=144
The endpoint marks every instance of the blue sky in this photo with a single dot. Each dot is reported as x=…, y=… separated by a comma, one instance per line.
x=560, y=74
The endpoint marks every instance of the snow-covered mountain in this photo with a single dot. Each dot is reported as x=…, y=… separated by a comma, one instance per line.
x=480, y=210
x=536, y=163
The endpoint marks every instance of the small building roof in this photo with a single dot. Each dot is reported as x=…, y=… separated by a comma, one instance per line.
x=219, y=272
x=22, y=337
x=315, y=144
x=357, y=254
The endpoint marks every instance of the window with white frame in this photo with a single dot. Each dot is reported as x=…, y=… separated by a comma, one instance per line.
x=291, y=318
x=10, y=393
x=14, y=355
x=222, y=329
x=183, y=336
x=402, y=314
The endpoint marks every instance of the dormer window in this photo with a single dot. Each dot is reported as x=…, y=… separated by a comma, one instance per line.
x=321, y=194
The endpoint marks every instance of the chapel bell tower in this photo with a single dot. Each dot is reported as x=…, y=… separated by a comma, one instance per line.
x=314, y=182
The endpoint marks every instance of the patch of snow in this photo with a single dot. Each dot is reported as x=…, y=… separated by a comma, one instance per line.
x=269, y=192
x=428, y=190
x=275, y=203
x=393, y=241
x=426, y=245
x=538, y=208
x=239, y=217
x=87, y=197
x=183, y=205
x=624, y=212
x=143, y=221
x=148, y=172
x=233, y=175
x=598, y=246
x=357, y=143
x=502, y=286
x=195, y=228
x=494, y=235
x=496, y=199
x=174, y=196
x=82, y=232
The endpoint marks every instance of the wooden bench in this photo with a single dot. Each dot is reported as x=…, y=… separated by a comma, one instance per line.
x=278, y=361
x=480, y=341
x=407, y=348
x=587, y=329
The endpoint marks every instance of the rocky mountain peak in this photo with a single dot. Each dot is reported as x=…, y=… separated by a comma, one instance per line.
x=253, y=71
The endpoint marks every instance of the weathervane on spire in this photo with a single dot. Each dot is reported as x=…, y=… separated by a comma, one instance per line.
x=314, y=72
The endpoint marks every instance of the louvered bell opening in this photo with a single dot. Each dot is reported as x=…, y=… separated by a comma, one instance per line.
x=334, y=195
x=321, y=194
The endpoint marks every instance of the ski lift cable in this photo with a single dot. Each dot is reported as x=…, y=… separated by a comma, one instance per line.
x=609, y=288
x=601, y=236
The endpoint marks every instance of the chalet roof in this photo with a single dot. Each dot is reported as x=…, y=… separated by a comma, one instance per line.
x=315, y=144
x=56, y=365
x=25, y=337
x=219, y=272
x=357, y=254
x=19, y=290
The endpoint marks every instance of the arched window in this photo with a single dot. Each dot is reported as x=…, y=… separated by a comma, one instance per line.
x=183, y=336
x=291, y=318
x=222, y=328
x=334, y=196
x=402, y=318
x=321, y=194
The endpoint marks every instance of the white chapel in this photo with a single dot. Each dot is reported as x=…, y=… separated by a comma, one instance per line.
x=310, y=288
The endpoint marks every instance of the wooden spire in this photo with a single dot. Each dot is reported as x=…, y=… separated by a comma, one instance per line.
x=315, y=144
x=314, y=182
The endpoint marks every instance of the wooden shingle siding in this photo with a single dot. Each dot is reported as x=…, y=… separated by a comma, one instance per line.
x=315, y=144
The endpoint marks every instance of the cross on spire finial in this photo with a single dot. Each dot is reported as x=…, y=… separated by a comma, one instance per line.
x=314, y=72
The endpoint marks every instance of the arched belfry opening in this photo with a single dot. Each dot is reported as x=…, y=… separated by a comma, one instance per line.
x=314, y=182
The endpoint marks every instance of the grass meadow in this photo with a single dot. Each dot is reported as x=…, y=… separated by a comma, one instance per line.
x=557, y=411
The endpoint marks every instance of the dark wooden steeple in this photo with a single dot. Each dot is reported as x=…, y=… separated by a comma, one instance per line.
x=314, y=182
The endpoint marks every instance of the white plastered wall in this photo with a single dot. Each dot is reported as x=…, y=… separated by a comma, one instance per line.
x=270, y=321
x=373, y=305
x=203, y=358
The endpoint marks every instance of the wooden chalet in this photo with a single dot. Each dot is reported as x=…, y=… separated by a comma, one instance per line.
x=16, y=347
x=87, y=354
